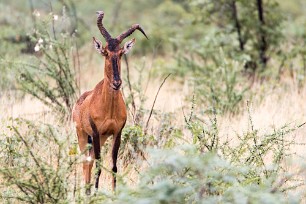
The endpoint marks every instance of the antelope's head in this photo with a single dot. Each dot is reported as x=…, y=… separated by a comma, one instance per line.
x=112, y=51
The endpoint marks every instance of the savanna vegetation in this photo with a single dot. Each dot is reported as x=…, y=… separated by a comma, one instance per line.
x=215, y=100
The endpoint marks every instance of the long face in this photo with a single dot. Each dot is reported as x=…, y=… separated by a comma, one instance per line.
x=113, y=53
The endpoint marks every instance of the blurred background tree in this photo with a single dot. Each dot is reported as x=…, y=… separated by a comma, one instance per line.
x=187, y=33
x=244, y=27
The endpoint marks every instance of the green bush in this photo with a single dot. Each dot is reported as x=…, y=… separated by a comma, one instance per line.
x=265, y=152
x=186, y=175
x=50, y=76
x=218, y=86
x=35, y=164
x=38, y=167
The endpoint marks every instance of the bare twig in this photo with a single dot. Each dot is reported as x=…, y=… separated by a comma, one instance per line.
x=147, y=124
x=284, y=180
x=27, y=146
x=187, y=120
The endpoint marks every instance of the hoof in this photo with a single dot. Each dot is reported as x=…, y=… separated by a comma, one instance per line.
x=88, y=192
x=96, y=191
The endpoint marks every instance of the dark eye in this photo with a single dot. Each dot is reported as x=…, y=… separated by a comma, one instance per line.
x=97, y=46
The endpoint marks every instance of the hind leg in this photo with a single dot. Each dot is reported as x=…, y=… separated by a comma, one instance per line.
x=84, y=140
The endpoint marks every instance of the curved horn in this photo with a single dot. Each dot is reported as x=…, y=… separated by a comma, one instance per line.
x=130, y=31
x=103, y=31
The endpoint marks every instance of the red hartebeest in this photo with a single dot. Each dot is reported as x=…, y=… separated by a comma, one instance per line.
x=101, y=112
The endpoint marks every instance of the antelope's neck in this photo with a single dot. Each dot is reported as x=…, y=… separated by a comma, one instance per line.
x=111, y=100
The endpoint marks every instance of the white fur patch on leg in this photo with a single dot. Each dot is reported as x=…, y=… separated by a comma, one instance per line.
x=88, y=158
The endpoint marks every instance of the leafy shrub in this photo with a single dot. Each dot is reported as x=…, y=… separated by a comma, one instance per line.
x=186, y=175
x=213, y=168
x=264, y=153
x=50, y=77
x=35, y=165
x=133, y=143
x=221, y=86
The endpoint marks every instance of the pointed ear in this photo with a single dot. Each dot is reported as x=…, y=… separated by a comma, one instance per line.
x=128, y=46
x=98, y=45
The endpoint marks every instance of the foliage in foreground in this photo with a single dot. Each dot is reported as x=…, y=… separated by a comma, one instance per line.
x=186, y=175
x=37, y=167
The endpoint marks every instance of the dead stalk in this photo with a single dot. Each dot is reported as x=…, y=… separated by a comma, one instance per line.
x=151, y=111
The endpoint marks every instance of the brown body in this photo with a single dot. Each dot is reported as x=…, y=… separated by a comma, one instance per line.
x=101, y=112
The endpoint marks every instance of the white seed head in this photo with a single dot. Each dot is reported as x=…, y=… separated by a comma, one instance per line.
x=40, y=40
x=36, y=13
x=88, y=158
x=36, y=48
x=55, y=17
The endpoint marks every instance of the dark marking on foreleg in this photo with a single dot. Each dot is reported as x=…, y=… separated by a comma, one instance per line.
x=115, y=149
x=97, y=151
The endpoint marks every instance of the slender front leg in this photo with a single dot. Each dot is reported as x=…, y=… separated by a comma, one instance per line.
x=115, y=149
x=97, y=151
